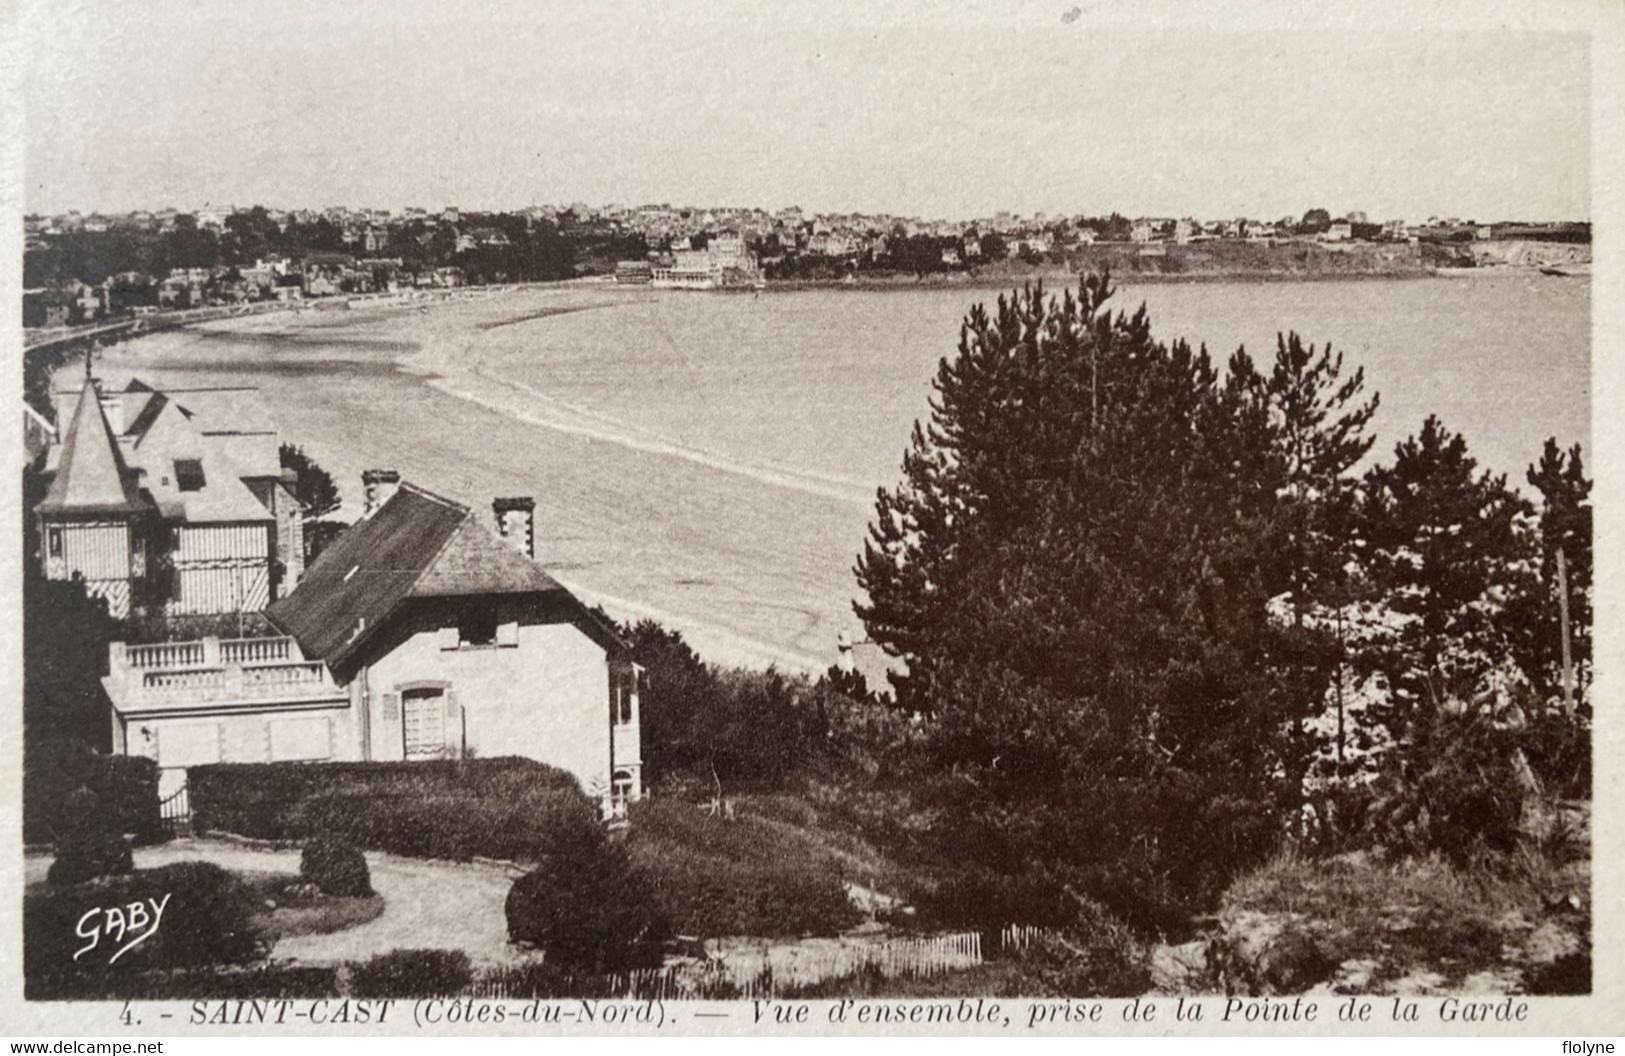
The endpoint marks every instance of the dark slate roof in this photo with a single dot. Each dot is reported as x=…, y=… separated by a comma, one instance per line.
x=365, y=572
x=416, y=545
x=91, y=477
x=474, y=561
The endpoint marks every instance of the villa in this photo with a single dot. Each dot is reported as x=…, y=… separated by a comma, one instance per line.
x=420, y=633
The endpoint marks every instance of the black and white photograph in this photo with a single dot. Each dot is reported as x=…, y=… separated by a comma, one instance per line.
x=723, y=518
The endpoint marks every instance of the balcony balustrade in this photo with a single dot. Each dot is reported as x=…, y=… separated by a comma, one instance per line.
x=214, y=673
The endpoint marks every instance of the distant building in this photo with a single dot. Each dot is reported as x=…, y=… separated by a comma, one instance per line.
x=634, y=272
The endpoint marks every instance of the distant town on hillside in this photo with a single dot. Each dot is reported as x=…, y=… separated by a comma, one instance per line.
x=96, y=268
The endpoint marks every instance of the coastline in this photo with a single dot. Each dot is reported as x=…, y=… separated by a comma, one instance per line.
x=600, y=547
x=977, y=281
x=984, y=280
x=729, y=543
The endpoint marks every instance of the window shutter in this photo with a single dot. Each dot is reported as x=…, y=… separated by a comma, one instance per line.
x=508, y=634
x=454, y=726
x=449, y=638
x=392, y=707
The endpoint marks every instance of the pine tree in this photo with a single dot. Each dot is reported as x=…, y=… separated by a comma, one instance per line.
x=1076, y=570
x=1443, y=548
x=1565, y=526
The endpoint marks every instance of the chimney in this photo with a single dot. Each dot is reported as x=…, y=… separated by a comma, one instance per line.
x=377, y=487
x=113, y=408
x=516, y=522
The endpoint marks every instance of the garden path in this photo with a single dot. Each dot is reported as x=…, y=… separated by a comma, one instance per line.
x=427, y=904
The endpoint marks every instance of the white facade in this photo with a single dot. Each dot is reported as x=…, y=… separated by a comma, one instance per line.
x=544, y=691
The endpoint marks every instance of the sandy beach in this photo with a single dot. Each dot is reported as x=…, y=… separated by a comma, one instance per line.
x=711, y=462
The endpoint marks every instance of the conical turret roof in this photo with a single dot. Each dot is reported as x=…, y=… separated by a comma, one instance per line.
x=91, y=476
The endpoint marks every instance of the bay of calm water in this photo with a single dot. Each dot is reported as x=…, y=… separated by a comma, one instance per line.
x=712, y=460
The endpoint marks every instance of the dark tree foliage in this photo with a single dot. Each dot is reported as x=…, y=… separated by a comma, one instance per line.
x=1441, y=548
x=1315, y=221
x=1076, y=570
x=677, y=686
x=66, y=632
x=1565, y=526
x=735, y=726
x=314, y=486
x=1320, y=435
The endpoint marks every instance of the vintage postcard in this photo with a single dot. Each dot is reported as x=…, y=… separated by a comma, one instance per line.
x=1056, y=518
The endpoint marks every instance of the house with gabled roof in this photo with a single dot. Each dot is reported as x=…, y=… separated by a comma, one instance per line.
x=419, y=633
x=93, y=524
x=210, y=524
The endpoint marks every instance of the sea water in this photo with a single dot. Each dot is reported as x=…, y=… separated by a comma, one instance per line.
x=711, y=460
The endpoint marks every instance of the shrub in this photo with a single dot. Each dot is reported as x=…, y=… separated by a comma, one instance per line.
x=85, y=856
x=589, y=912
x=453, y=809
x=126, y=788
x=207, y=920
x=1456, y=791
x=86, y=848
x=336, y=866
x=1559, y=751
x=412, y=973
x=1099, y=957
x=988, y=901
x=749, y=876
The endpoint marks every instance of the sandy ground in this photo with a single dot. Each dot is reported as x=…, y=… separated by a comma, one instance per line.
x=427, y=904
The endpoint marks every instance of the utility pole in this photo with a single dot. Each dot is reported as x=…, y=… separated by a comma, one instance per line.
x=1563, y=621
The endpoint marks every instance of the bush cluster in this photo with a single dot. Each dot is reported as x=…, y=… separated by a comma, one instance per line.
x=336, y=866
x=741, y=727
x=590, y=912
x=126, y=789
x=412, y=973
x=208, y=920
x=987, y=901
x=453, y=809
x=86, y=846
x=748, y=876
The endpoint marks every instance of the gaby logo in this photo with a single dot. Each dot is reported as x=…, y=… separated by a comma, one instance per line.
x=125, y=926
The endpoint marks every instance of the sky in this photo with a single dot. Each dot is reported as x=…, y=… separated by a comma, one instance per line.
x=953, y=111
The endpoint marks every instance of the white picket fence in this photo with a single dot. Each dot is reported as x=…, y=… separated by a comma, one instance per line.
x=767, y=971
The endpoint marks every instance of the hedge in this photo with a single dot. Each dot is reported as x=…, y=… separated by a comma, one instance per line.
x=412, y=973
x=207, y=920
x=258, y=982
x=126, y=788
x=712, y=876
x=454, y=809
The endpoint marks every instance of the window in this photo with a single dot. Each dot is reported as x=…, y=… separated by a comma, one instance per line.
x=54, y=541
x=189, y=474
x=621, y=685
x=423, y=725
x=622, y=790
x=477, y=628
